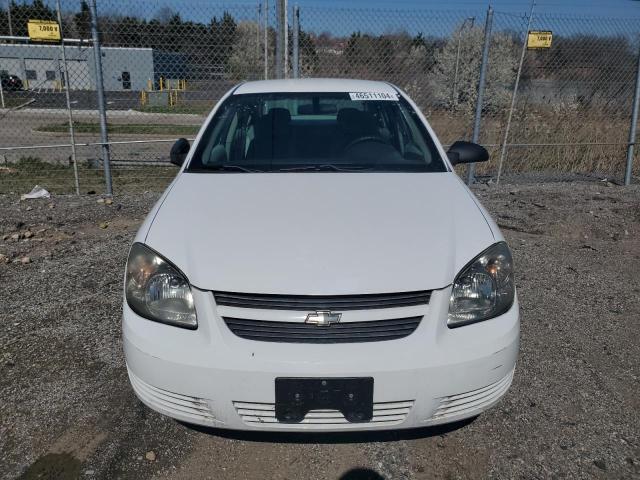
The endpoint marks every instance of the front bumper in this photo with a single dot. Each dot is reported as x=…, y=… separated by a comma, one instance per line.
x=211, y=377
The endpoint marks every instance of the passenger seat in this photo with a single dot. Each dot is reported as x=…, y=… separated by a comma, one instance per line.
x=272, y=135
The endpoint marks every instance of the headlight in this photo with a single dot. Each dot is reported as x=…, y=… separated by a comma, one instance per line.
x=484, y=288
x=157, y=290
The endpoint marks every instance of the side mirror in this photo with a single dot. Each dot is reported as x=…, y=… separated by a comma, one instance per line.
x=179, y=151
x=467, y=152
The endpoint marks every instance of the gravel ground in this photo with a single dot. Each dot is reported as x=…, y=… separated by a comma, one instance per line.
x=67, y=411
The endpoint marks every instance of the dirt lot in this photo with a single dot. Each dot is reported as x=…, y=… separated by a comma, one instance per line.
x=67, y=410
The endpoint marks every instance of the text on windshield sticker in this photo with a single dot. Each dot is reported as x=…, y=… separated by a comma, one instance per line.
x=372, y=96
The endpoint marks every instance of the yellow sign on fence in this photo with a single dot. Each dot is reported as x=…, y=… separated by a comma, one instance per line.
x=538, y=39
x=43, y=31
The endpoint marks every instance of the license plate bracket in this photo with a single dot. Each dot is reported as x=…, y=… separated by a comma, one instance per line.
x=352, y=396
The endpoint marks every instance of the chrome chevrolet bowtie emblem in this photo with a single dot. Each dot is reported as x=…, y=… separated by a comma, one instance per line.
x=323, y=318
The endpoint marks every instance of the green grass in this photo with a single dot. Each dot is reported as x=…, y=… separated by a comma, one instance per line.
x=21, y=176
x=179, y=109
x=123, y=128
x=11, y=102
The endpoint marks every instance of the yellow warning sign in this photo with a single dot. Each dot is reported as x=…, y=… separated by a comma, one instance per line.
x=43, y=31
x=539, y=39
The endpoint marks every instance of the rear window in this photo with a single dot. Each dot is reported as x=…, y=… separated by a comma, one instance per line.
x=280, y=132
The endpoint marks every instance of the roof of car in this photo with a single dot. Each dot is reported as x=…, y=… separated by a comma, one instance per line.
x=315, y=85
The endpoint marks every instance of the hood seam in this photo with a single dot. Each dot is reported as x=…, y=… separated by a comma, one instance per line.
x=162, y=200
x=475, y=202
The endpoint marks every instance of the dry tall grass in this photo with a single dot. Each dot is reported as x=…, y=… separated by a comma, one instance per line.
x=530, y=129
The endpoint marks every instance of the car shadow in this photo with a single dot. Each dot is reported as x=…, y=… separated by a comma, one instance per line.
x=361, y=474
x=332, y=437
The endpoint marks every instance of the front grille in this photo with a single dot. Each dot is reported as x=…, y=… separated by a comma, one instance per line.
x=384, y=413
x=322, y=302
x=348, y=332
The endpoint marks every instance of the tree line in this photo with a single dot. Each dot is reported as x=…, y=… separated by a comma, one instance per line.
x=442, y=70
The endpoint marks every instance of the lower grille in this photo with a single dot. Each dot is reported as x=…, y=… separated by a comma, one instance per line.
x=348, y=332
x=174, y=404
x=384, y=413
x=463, y=403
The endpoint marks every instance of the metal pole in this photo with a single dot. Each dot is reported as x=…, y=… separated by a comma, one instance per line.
x=279, y=27
x=454, y=93
x=634, y=127
x=455, y=74
x=481, y=82
x=9, y=18
x=259, y=14
x=24, y=72
x=266, y=39
x=285, y=39
x=104, y=137
x=27, y=39
x=1, y=95
x=296, y=40
x=515, y=93
x=67, y=84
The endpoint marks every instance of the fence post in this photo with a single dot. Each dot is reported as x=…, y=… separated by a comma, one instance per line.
x=634, y=127
x=279, y=35
x=296, y=39
x=481, y=82
x=285, y=39
x=454, y=91
x=1, y=95
x=104, y=138
x=9, y=19
x=258, y=18
x=266, y=39
x=515, y=94
x=67, y=85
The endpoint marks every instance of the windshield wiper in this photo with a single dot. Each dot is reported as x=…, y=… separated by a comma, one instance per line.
x=233, y=168
x=325, y=167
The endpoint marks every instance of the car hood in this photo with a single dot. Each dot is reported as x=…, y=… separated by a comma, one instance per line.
x=319, y=233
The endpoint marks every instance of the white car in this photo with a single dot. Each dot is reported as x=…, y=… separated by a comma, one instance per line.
x=317, y=265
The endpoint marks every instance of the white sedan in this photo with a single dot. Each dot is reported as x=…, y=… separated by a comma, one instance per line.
x=317, y=265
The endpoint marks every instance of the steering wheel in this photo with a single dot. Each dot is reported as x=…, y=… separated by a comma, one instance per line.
x=366, y=138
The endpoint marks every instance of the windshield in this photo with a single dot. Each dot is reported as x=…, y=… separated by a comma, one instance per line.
x=288, y=132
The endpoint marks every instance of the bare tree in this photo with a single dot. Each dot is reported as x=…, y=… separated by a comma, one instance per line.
x=246, y=59
x=465, y=48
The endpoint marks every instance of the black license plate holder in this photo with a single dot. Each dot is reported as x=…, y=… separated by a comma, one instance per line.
x=352, y=396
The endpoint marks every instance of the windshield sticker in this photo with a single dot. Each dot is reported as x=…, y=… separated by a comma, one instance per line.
x=373, y=96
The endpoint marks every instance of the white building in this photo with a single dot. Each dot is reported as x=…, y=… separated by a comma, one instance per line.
x=40, y=66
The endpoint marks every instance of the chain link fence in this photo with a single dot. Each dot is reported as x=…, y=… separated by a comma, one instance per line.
x=572, y=112
x=165, y=66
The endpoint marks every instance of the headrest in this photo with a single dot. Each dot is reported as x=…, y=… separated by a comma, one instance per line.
x=354, y=121
x=347, y=116
x=276, y=121
x=279, y=116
